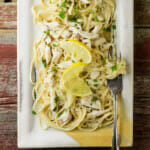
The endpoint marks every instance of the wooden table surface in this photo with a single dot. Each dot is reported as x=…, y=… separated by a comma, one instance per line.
x=8, y=75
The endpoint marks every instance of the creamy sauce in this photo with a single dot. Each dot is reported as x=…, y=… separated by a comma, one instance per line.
x=103, y=137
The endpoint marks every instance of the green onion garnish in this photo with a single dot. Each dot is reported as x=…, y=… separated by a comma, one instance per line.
x=33, y=112
x=107, y=29
x=114, y=67
x=79, y=101
x=54, y=45
x=84, y=73
x=63, y=4
x=58, y=115
x=88, y=84
x=44, y=63
x=96, y=19
x=94, y=80
x=103, y=59
x=70, y=2
x=56, y=99
x=94, y=99
x=47, y=32
x=73, y=61
x=62, y=14
x=53, y=69
x=114, y=27
x=73, y=18
x=96, y=85
x=55, y=76
x=76, y=10
x=99, y=47
x=91, y=12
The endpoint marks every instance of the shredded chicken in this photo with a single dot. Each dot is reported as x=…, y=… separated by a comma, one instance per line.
x=57, y=53
x=65, y=118
x=87, y=101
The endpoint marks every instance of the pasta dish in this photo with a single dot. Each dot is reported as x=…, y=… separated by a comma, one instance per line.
x=70, y=67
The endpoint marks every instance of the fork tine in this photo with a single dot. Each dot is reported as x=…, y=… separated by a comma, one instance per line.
x=110, y=53
x=116, y=56
x=120, y=57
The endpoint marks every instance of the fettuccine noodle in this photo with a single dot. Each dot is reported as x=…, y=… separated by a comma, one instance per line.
x=91, y=22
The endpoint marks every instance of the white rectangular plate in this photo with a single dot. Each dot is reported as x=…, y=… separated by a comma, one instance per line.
x=29, y=132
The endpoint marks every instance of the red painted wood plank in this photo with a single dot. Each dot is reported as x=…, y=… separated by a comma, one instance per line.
x=8, y=70
x=8, y=100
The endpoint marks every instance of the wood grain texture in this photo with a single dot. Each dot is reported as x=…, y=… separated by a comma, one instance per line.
x=8, y=37
x=142, y=13
x=142, y=87
x=8, y=70
x=142, y=62
x=8, y=77
x=8, y=128
x=8, y=15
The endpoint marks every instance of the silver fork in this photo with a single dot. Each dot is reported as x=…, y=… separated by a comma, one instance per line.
x=115, y=85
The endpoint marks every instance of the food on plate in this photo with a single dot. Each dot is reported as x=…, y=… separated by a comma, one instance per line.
x=70, y=68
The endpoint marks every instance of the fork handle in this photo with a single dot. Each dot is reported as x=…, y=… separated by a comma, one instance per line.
x=115, y=138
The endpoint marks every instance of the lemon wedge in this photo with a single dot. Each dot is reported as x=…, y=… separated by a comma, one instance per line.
x=72, y=83
x=78, y=51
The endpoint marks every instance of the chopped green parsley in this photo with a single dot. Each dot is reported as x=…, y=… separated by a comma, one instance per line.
x=103, y=59
x=96, y=19
x=73, y=18
x=96, y=85
x=94, y=80
x=91, y=12
x=99, y=47
x=56, y=99
x=47, y=32
x=53, y=69
x=84, y=73
x=114, y=27
x=44, y=63
x=76, y=10
x=107, y=29
x=94, y=99
x=63, y=4
x=58, y=115
x=55, y=76
x=54, y=45
x=62, y=14
x=73, y=61
x=33, y=112
x=114, y=68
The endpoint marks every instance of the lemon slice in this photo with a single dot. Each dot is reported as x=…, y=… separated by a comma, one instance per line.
x=72, y=83
x=78, y=51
